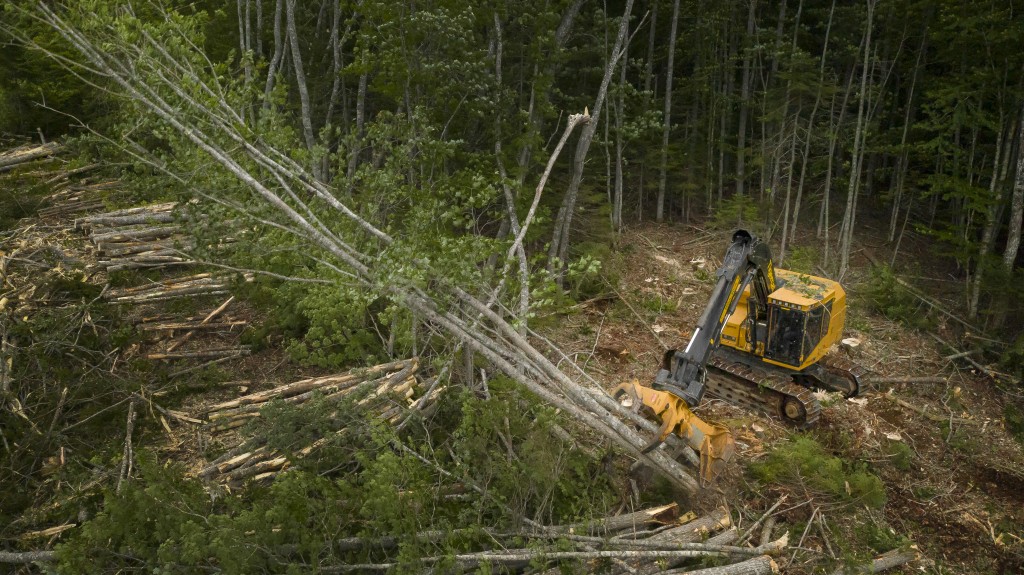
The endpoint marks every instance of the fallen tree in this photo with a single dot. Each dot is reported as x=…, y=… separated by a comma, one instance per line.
x=25, y=154
x=192, y=105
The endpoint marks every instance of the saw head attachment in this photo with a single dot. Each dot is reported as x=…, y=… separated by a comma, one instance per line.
x=714, y=443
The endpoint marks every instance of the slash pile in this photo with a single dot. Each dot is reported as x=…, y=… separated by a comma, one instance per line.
x=387, y=390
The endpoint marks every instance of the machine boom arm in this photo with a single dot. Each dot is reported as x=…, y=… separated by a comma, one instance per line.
x=746, y=261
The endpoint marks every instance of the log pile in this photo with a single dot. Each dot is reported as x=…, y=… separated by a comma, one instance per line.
x=73, y=201
x=135, y=238
x=25, y=154
x=383, y=381
x=386, y=390
x=199, y=284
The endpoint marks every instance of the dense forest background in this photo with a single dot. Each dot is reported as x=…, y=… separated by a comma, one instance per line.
x=905, y=114
x=389, y=165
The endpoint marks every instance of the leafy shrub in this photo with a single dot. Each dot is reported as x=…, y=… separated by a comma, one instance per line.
x=893, y=300
x=803, y=259
x=900, y=455
x=804, y=460
x=736, y=212
x=1014, y=419
x=879, y=538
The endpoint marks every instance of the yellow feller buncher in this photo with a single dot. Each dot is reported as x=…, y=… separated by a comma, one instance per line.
x=762, y=343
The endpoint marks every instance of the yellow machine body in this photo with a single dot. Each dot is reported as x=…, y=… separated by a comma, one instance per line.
x=810, y=309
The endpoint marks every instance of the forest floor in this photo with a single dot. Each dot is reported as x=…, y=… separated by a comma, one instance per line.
x=953, y=475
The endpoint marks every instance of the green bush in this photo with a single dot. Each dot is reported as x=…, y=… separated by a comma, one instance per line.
x=736, y=212
x=888, y=297
x=802, y=259
x=805, y=461
x=1013, y=416
x=900, y=455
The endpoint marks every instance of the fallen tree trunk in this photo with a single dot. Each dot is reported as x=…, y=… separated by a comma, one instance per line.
x=27, y=556
x=137, y=234
x=114, y=221
x=16, y=157
x=230, y=352
x=885, y=561
x=662, y=515
x=763, y=565
x=516, y=556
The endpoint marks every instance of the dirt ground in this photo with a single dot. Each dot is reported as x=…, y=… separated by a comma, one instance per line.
x=958, y=497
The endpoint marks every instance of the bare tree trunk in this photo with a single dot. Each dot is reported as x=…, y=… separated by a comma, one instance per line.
x=649, y=62
x=620, y=110
x=562, y=34
x=277, y=57
x=259, y=29
x=726, y=111
x=806, y=154
x=1016, y=207
x=741, y=132
x=300, y=80
x=563, y=223
x=988, y=236
x=901, y=166
x=510, y=201
x=823, y=217
x=789, y=185
x=667, y=126
x=846, y=234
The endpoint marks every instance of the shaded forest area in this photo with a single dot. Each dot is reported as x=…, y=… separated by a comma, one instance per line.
x=281, y=195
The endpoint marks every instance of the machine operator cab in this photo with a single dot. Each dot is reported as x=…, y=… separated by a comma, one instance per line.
x=803, y=317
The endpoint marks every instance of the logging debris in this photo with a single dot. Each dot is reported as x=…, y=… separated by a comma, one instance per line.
x=25, y=154
x=199, y=284
x=388, y=390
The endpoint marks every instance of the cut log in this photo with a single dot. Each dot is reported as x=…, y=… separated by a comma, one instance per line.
x=171, y=294
x=124, y=249
x=763, y=565
x=118, y=267
x=662, y=515
x=136, y=234
x=885, y=561
x=18, y=156
x=524, y=556
x=182, y=326
x=698, y=529
x=114, y=221
x=27, y=556
x=199, y=354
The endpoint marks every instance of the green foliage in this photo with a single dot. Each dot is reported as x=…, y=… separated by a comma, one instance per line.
x=900, y=454
x=1012, y=357
x=20, y=204
x=888, y=297
x=736, y=212
x=803, y=259
x=586, y=277
x=506, y=442
x=1013, y=418
x=879, y=538
x=804, y=460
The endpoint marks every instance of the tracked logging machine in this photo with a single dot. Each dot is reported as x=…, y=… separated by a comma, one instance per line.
x=762, y=343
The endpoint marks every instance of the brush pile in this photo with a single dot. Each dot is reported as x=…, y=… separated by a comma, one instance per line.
x=390, y=391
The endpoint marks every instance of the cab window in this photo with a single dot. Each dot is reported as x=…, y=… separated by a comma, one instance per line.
x=785, y=337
